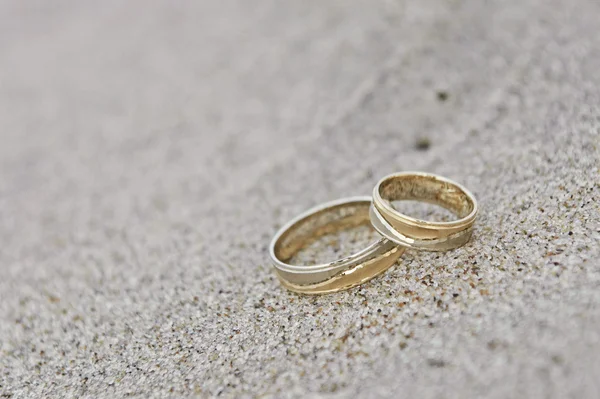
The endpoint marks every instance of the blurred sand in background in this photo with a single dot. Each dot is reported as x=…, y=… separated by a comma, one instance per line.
x=149, y=151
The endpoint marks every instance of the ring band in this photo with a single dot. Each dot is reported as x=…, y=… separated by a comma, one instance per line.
x=340, y=274
x=416, y=233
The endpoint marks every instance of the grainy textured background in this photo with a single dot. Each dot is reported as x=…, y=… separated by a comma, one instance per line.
x=149, y=150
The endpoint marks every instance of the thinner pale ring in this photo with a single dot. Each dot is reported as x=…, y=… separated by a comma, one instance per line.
x=423, y=234
x=340, y=274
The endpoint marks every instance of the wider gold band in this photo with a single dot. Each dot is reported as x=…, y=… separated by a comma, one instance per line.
x=416, y=233
x=337, y=275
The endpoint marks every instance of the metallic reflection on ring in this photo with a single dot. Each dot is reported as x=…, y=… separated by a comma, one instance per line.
x=422, y=234
x=340, y=274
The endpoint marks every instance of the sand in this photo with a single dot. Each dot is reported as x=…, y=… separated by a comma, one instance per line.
x=149, y=151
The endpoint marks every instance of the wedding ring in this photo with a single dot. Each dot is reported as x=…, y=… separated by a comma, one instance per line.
x=416, y=233
x=337, y=275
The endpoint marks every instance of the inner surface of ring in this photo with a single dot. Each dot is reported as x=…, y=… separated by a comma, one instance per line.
x=427, y=189
x=327, y=221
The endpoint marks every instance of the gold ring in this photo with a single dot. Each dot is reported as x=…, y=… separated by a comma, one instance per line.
x=416, y=233
x=340, y=274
